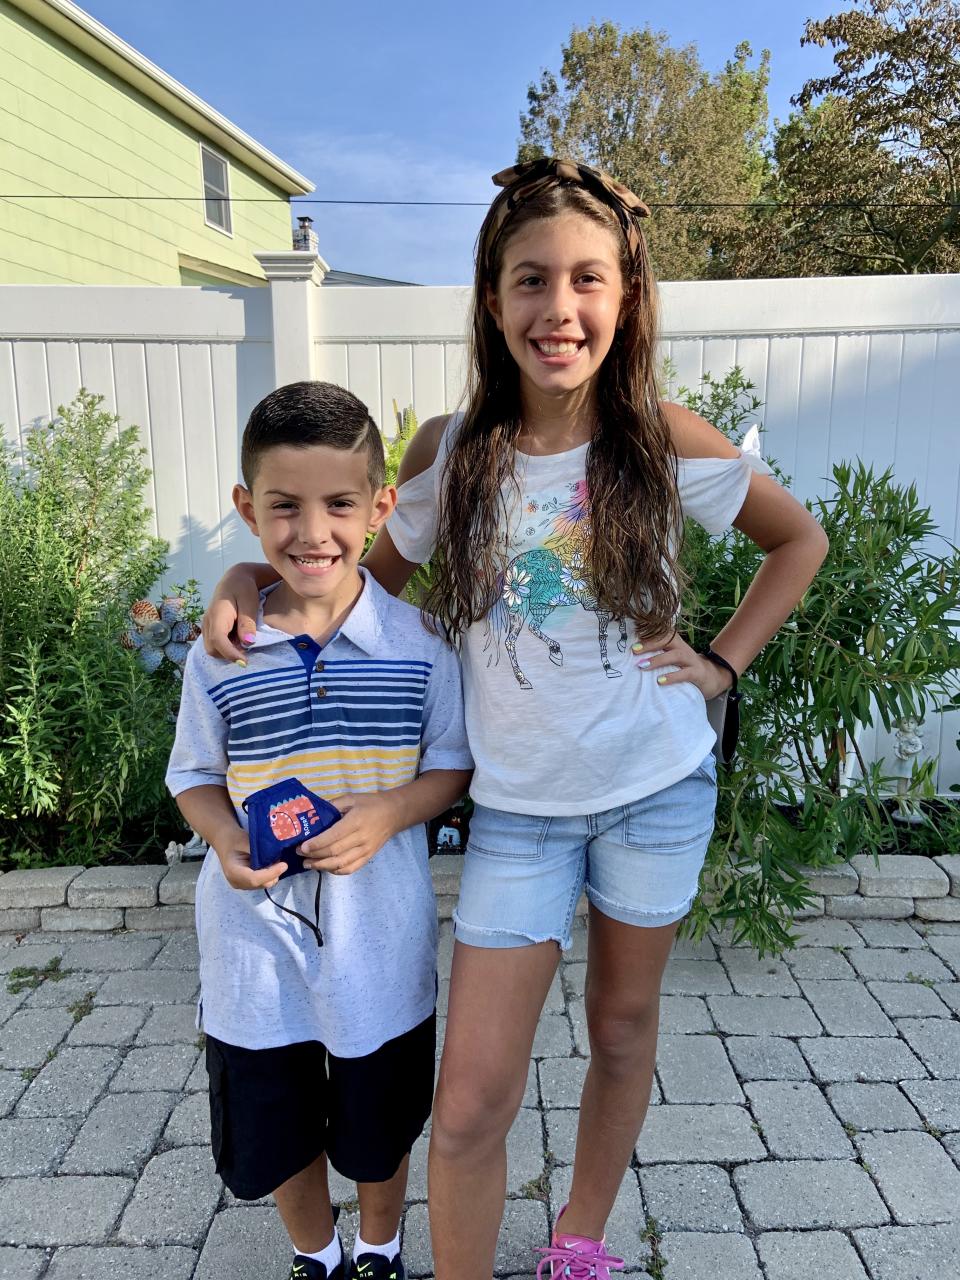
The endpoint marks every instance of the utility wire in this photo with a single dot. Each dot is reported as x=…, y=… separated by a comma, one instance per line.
x=297, y=201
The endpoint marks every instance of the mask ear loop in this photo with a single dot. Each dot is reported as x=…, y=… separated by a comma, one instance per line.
x=314, y=928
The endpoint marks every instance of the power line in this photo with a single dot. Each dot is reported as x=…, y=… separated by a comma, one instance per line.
x=682, y=205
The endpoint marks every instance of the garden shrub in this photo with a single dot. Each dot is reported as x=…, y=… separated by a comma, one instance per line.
x=871, y=638
x=85, y=732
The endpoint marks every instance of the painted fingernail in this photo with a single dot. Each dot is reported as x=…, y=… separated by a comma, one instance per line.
x=644, y=664
x=249, y=639
x=636, y=648
x=661, y=679
x=239, y=662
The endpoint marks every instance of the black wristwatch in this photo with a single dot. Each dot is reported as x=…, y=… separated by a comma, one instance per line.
x=732, y=693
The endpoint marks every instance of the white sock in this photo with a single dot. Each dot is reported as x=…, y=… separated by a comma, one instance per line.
x=388, y=1250
x=329, y=1257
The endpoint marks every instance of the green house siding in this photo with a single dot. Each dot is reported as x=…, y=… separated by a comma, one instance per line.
x=71, y=126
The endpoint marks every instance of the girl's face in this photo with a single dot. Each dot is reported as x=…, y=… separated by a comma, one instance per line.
x=558, y=302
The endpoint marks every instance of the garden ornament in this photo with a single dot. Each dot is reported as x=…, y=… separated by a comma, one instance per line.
x=160, y=633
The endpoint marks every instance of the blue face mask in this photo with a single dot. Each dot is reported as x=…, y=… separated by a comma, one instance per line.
x=281, y=817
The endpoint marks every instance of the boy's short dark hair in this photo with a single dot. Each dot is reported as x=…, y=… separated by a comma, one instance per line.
x=308, y=413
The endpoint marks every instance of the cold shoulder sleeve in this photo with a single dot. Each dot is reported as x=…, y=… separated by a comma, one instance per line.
x=413, y=525
x=712, y=490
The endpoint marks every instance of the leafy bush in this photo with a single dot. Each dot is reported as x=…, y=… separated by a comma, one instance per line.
x=870, y=638
x=84, y=731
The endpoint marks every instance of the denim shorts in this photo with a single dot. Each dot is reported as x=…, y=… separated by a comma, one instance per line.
x=639, y=863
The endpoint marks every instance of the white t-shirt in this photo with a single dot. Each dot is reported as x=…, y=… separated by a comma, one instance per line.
x=559, y=718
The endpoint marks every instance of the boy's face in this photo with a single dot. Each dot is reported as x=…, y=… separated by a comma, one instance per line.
x=312, y=509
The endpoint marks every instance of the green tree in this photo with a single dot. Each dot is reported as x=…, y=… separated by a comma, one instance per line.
x=868, y=171
x=632, y=104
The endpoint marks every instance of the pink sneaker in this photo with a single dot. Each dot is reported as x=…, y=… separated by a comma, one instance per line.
x=577, y=1257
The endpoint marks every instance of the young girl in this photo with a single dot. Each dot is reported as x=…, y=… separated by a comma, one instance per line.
x=552, y=511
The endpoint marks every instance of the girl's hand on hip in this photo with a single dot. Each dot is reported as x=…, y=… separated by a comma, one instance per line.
x=368, y=822
x=686, y=665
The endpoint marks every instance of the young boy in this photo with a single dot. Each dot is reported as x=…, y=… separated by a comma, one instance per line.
x=320, y=1052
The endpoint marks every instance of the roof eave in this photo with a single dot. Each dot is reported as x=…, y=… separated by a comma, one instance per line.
x=88, y=35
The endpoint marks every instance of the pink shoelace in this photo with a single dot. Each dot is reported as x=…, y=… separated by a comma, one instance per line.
x=589, y=1260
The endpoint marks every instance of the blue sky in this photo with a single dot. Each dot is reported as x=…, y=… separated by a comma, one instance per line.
x=416, y=101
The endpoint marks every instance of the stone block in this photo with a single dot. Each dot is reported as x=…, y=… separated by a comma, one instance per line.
x=696, y=1069
x=79, y=919
x=690, y=1197
x=919, y=1181
x=69, y=1084
x=40, y=887
x=766, y=1058
x=30, y=1035
x=796, y=1122
x=701, y=1255
x=873, y=1106
x=116, y=887
x=860, y=908
x=763, y=1015
x=936, y=1042
x=863, y=1058
x=148, y=986
x=847, y=1008
x=752, y=976
x=111, y=1263
x=108, y=954
x=911, y=1253
x=908, y=1000
x=818, y=962
x=119, y=1133
x=114, y=1024
x=21, y=1264
x=156, y=1067
x=946, y=909
x=949, y=863
x=889, y=965
x=900, y=875
x=802, y=1194
x=67, y=1210
x=29, y=1147
x=19, y=919
x=841, y=879
x=938, y=1101
x=178, y=887
x=154, y=919
x=809, y=1255
x=694, y=1134
x=174, y=1201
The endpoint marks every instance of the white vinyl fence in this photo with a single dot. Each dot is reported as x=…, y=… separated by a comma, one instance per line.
x=859, y=367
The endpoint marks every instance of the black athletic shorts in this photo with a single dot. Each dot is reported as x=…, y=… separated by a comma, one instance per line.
x=273, y=1111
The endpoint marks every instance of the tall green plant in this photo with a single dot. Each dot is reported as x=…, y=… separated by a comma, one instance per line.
x=84, y=731
x=870, y=638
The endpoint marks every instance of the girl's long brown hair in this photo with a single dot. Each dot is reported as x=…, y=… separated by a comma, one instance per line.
x=631, y=465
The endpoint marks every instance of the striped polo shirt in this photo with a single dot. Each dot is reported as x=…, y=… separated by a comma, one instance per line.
x=377, y=705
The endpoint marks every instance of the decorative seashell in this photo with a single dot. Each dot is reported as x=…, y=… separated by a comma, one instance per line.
x=171, y=609
x=150, y=659
x=156, y=633
x=177, y=653
x=144, y=611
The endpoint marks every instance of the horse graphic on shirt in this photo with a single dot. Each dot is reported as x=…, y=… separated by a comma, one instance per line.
x=538, y=581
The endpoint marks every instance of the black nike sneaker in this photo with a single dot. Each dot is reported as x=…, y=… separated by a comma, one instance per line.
x=374, y=1266
x=309, y=1269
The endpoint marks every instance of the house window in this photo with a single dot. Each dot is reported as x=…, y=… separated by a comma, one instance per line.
x=216, y=190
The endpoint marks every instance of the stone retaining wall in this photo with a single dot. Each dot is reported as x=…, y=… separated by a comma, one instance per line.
x=67, y=899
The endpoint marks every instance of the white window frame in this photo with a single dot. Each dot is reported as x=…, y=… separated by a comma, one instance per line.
x=225, y=197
